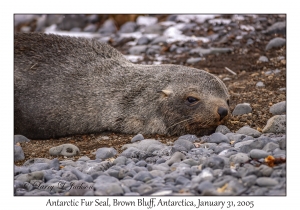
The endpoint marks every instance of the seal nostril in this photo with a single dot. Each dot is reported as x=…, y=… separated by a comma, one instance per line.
x=223, y=112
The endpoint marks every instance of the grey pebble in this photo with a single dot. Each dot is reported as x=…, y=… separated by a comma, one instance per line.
x=20, y=139
x=239, y=158
x=276, y=42
x=263, y=59
x=249, y=131
x=189, y=137
x=265, y=170
x=105, y=153
x=222, y=129
x=176, y=157
x=159, y=40
x=266, y=182
x=270, y=147
x=250, y=180
x=279, y=108
x=68, y=150
x=143, y=176
x=137, y=50
x=143, y=40
x=215, y=162
x=276, y=124
x=240, y=109
x=128, y=27
x=18, y=153
x=260, y=84
x=184, y=143
x=193, y=60
x=218, y=138
x=108, y=189
x=36, y=175
x=257, y=153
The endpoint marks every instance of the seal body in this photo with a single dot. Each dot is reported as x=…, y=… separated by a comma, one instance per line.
x=66, y=86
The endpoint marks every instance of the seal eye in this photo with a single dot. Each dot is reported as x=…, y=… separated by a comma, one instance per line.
x=192, y=99
x=228, y=102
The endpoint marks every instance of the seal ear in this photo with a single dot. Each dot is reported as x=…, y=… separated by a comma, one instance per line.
x=166, y=92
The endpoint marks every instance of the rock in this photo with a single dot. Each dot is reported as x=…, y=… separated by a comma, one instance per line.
x=258, y=154
x=105, y=153
x=222, y=129
x=202, y=51
x=260, y=84
x=108, y=27
x=154, y=29
x=128, y=27
x=214, y=163
x=176, y=157
x=277, y=28
x=143, y=40
x=239, y=158
x=250, y=180
x=108, y=189
x=189, y=137
x=185, y=143
x=249, y=131
x=193, y=60
x=270, y=147
x=90, y=28
x=218, y=138
x=279, y=108
x=143, y=176
x=137, y=50
x=263, y=59
x=240, y=109
x=138, y=137
x=276, y=42
x=276, y=71
x=69, y=176
x=276, y=124
x=20, y=139
x=146, y=20
x=37, y=175
x=266, y=182
x=159, y=40
x=265, y=170
x=68, y=150
x=18, y=153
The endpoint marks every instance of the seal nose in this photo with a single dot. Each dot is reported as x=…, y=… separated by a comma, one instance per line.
x=223, y=112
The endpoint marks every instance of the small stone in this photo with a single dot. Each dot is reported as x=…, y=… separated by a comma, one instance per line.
x=270, y=147
x=276, y=124
x=276, y=42
x=218, y=138
x=184, y=143
x=260, y=84
x=143, y=40
x=278, y=28
x=263, y=59
x=90, y=28
x=193, y=60
x=146, y=20
x=239, y=158
x=159, y=40
x=138, y=137
x=240, y=109
x=68, y=150
x=265, y=170
x=189, y=137
x=36, y=175
x=249, y=131
x=143, y=176
x=250, y=180
x=214, y=163
x=137, y=50
x=266, y=182
x=18, y=153
x=258, y=154
x=128, y=27
x=176, y=157
x=105, y=153
x=222, y=129
x=20, y=139
x=279, y=108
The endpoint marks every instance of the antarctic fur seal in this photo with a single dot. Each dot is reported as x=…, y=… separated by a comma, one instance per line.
x=66, y=86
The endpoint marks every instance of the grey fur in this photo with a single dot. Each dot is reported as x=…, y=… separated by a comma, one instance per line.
x=66, y=86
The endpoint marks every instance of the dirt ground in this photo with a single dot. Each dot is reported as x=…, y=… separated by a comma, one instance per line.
x=242, y=88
